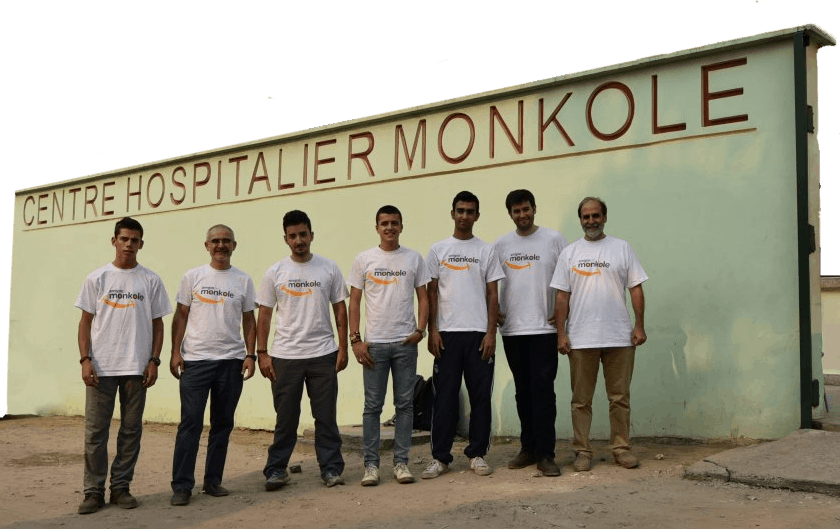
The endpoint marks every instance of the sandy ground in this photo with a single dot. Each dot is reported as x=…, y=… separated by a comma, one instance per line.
x=41, y=477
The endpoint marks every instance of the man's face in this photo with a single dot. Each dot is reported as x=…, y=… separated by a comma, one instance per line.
x=522, y=215
x=592, y=220
x=220, y=245
x=465, y=214
x=298, y=237
x=128, y=243
x=389, y=226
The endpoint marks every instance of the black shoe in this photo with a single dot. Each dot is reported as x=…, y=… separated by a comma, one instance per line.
x=123, y=499
x=91, y=503
x=548, y=467
x=277, y=479
x=180, y=497
x=215, y=490
x=522, y=460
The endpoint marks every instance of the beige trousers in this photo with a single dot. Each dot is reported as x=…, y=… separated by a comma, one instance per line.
x=618, y=372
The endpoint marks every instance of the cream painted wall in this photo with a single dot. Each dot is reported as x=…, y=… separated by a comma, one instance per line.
x=710, y=211
x=831, y=324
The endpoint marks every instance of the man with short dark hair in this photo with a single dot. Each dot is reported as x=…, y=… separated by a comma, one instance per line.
x=303, y=287
x=209, y=357
x=120, y=338
x=591, y=277
x=528, y=256
x=463, y=316
x=389, y=276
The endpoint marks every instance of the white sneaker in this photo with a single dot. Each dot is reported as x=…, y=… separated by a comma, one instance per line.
x=435, y=469
x=480, y=466
x=371, y=477
x=402, y=474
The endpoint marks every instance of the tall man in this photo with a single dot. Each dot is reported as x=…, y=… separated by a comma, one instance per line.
x=463, y=316
x=303, y=286
x=590, y=279
x=389, y=275
x=209, y=357
x=120, y=338
x=528, y=256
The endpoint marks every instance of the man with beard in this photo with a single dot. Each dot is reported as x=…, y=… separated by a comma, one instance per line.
x=591, y=276
x=209, y=357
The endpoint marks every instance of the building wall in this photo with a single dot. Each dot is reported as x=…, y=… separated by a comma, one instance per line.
x=830, y=286
x=708, y=206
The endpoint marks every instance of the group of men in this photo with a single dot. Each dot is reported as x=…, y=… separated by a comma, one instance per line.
x=543, y=295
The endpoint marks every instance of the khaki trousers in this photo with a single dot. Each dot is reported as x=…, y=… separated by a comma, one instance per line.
x=618, y=372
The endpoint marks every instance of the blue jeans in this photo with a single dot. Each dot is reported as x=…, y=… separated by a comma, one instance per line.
x=401, y=360
x=99, y=409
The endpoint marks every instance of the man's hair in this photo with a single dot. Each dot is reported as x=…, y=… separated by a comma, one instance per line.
x=388, y=210
x=593, y=199
x=220, y=227
x=295, y=217
x=518, y=196
x=465, y=196
x=129, y=224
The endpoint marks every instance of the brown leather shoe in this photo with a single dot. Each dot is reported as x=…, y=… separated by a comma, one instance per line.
x=626, y=459
x=91, y=504
x=548, y=467
x=522, y=460
x=583, y=462
x=123, y=499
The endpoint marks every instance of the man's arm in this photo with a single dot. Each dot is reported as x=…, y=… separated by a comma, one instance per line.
x=89, y=376
x=488, y=343
x=435, y=343
x=179, y=328
x=249, y=331
x=637, y=300
x=360, y=348
x=422, y=315
x=340, y=312
x=150, y=374
x=263, y=326
x=561, y=312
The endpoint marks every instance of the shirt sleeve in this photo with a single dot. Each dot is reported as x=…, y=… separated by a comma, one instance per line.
x=160, y=299
x=357, y=273
x=421, y=274
x=88, y=296
x=494, y=267
x=250, y=301
x=635, y=273
x=338, y=291
x=560, y=279
x=433, y=263
x=267, y=296
x=184, y=295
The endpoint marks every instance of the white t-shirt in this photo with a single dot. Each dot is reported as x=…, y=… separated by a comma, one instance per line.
x=463, y=269
x=597, y=273
x=303, y=294
x=388, y=280
x=123, y=304
x=526, y=299
x=217, y=299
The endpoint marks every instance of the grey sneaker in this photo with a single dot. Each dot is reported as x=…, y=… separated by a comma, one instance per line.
x=277, y=479
x=91, y=503
x=402, y=474
x=435, y=469
x=371, y=477
x=480, y=466
x=332, y=478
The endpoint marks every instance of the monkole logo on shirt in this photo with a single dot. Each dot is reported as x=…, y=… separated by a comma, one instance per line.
x=383, y=276
x=459, y=262
x=519, y=261
x=300, y=287
x=207, y=295
x=120, y=299
x=589, y=267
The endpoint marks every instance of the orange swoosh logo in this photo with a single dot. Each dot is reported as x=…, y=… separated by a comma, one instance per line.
x=381, y=281
x=295, y=292
x=517, y=267
x=454, y=267
x=208, y=300
x=118, y=305
x=597, y=272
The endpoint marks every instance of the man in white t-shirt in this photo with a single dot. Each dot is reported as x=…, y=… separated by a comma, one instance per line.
x=463, y=316
x=209, y=357
x=390, y=276
x=120, y=338
x=303, y=287
x=591, y=277
x=528, y=256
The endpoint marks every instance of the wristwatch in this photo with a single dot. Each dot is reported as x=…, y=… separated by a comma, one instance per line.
x=155, y=360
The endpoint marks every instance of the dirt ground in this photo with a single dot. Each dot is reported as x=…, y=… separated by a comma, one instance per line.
x=41, y=478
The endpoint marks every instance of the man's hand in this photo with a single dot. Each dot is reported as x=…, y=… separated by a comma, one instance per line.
x=639, y=336
x=266, y=366
x=361, y=350
x=435, y=344
x=89, y=376
x=564, y=346
x=341, y=360
x=413, y=338
x=248, y=368
x=488, y=346
x=176, y=364
x=150, y=375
